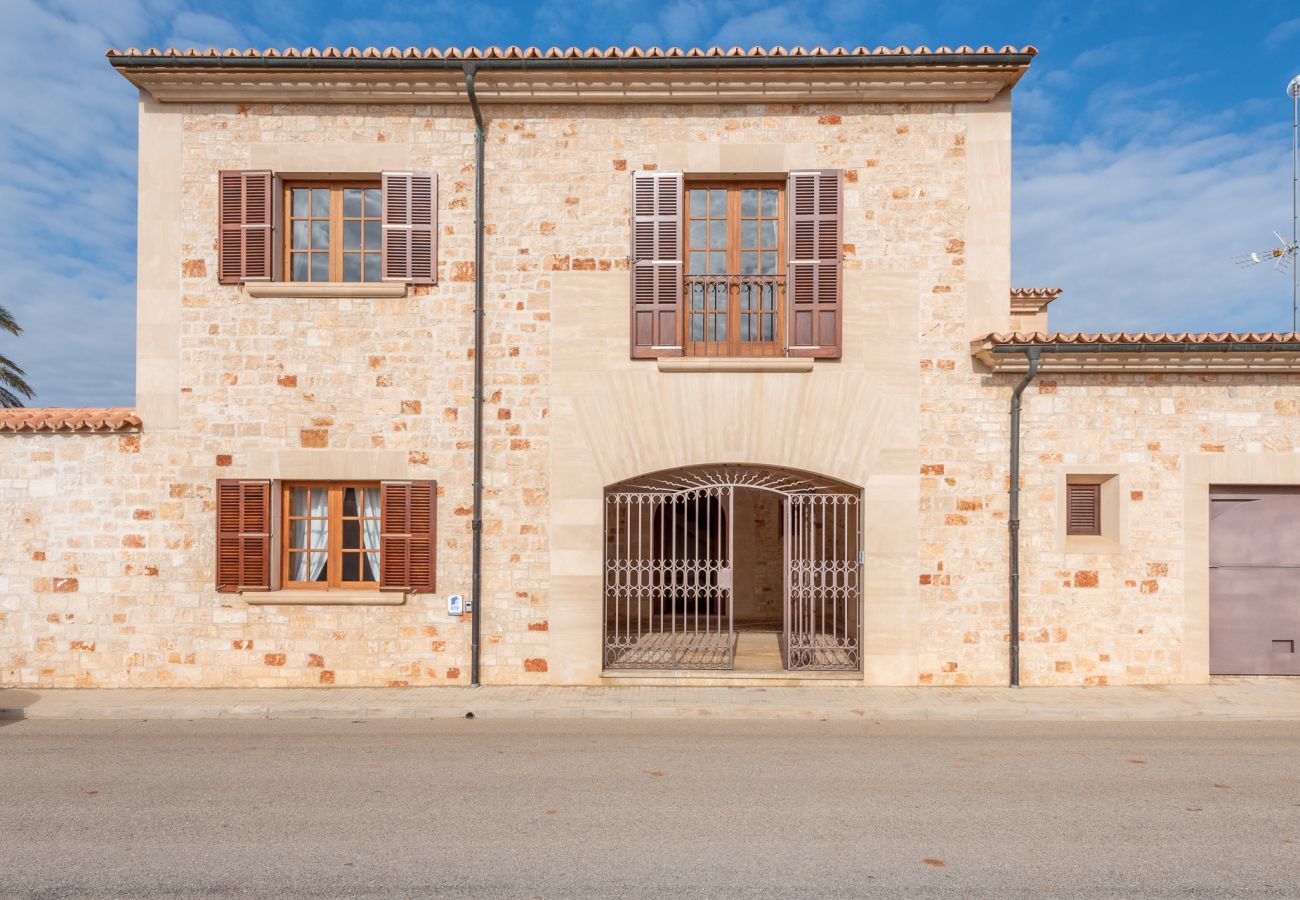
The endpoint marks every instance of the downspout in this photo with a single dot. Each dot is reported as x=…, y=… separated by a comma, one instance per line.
x=1014, y=519
x=476, y=564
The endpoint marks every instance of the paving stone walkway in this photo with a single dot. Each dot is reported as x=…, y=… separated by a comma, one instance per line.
x=1277, y=699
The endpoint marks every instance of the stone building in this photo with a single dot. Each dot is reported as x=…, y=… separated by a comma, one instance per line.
x=714, y=388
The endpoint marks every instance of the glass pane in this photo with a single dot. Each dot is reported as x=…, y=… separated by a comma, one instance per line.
x=297, y=566
x=769, y=202
x=769, y=296
x=749, y=232
x=351, y=534
x=320, y=201
x=352, y=203
x=370, y=503
x=718, y=203
x=351, y=266
x=697, y=296
x=718, y=233
x=717, y=264
x=749, y=263
x=300, y=235
x=749, y=202
x=769, y=328
x=373, y=196
x=368, y=572
x=318, y=561
x=769, y=262
x=351, y=566
x=301, y=201
x=372, y=267
x=320, y=234
x=747, y=295
x=698, y=201
x=746, y=328
x=718, y=298
x=320, y=267
x=352, y=234
x=373, y=236
x=350, y=502
x=719, y=328
x=697, y=328
x=298, y=504
x=698, y=229
x=768, y=229
x=297, y=533
x=698, y=263
x=300, y=266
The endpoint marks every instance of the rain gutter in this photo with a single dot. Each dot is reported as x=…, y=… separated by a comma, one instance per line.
x=476, y=565
x=1013, y=524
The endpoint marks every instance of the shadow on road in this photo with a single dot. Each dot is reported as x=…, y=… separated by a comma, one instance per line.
x=13, y=703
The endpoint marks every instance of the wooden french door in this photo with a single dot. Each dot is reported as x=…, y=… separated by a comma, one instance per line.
x=734, y=295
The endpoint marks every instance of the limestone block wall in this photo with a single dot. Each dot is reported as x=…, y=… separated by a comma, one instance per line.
x=270, y=387
x=1130, y=613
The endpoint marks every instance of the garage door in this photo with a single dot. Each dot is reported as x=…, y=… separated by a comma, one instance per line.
x=1255, y=581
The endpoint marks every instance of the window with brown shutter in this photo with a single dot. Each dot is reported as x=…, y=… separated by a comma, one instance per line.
x=243, y=535
x=331, y=535
x=332, y=231
x=410, y=227
x=245, y=211
x=656, y=263
x=408, y=535
x=813, y=272
x=1083, y=509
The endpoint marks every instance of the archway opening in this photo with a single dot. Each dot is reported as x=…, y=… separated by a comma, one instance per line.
x=732, y=567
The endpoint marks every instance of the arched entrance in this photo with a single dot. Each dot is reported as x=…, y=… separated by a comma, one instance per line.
x=697, y=557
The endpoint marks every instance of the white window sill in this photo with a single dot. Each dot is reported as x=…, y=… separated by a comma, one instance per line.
x=358, y=290
x=323, y=598
x=1092, y=544
x=714, y=364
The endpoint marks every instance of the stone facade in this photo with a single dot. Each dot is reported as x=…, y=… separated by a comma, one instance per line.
x=106, y=578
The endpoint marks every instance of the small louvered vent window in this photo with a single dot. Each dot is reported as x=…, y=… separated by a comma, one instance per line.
x=1083, y=509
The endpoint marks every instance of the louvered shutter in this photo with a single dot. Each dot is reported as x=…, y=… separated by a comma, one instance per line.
x=656, y=263
x=1083, y=509
x=244, y=210
x=410, y=227
x=408, y=532
x=813, y=272
x=243, y=535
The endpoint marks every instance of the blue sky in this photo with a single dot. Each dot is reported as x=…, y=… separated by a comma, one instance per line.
x=1152, y=141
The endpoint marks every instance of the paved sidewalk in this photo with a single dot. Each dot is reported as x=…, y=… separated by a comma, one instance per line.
x=1276, y=699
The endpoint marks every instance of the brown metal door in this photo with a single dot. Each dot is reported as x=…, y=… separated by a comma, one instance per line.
x=668, y=579
x=822, y=582
x=1255, y=581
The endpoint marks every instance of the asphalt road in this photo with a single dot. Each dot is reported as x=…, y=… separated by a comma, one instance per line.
x=618, y=808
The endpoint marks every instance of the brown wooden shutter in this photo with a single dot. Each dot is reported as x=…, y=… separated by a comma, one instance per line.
x=243, y=535
x=244, y=243
x=656, y=263
x=813, y=272
x=1083, y=509
x=410, y=227
x=408, y=533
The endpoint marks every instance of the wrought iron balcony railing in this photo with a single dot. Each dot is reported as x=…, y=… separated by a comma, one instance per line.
x=734, y=315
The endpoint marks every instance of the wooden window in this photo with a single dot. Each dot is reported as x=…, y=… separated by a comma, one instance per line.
x=1083, y=509
x=734, y=268
x=333, y=231
x=331, y=535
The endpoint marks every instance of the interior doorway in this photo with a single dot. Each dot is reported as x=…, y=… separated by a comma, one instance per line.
x=732, y=567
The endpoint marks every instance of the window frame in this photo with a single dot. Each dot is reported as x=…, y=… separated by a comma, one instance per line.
x=735, y=347
x=336, y=187
x=334, y=544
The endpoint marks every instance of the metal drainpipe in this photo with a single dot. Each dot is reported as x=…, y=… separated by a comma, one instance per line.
x=1014, y=523
x=476, y=573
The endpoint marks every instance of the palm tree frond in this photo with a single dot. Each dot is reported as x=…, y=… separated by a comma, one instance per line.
x=8, y=323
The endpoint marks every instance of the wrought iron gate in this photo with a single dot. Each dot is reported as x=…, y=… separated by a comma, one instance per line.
x=822, y=582
x=668, y=579
x=669, y=587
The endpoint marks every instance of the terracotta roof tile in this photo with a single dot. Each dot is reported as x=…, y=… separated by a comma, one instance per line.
x=1035, y=293
x=574, y=53
x=64, y=419
x=1242, y=338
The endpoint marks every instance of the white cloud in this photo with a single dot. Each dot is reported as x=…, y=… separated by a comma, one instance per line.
x=1142, y=236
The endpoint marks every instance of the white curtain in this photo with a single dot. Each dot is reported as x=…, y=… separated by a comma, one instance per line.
x=370, y=528
x=319, y=537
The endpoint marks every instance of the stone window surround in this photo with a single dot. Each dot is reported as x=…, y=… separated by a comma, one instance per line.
x=1114, y=511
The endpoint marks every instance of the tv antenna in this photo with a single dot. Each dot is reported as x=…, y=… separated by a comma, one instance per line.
x=1284, y=256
